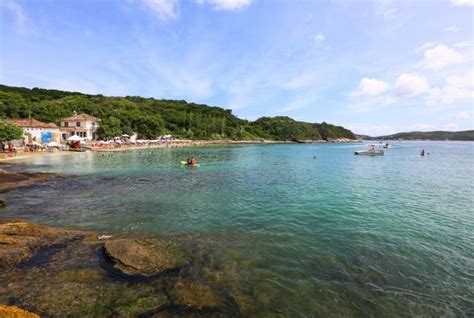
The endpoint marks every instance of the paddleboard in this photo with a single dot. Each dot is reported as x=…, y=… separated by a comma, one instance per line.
x=184, y=162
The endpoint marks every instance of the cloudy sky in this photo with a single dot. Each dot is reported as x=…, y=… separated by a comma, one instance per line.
x=375, y=66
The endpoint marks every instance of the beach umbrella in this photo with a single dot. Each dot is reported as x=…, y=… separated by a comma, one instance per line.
x=52, y=144
x=35, y=143
x=125, y=136
x=74, y=138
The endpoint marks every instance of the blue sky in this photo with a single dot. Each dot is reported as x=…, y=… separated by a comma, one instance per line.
x=376, y=67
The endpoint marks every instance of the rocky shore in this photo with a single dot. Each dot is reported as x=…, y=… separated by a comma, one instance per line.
x=56, y=272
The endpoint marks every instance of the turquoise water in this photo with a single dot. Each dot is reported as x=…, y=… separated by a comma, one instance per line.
x=339, y=235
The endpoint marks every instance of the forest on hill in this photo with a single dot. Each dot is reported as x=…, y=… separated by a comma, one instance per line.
x=150, y=117
x=467, y=135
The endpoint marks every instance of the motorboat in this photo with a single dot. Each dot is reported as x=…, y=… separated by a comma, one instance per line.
x=370, y=152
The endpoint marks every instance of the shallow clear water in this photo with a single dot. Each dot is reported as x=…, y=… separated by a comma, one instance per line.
x=339, y=235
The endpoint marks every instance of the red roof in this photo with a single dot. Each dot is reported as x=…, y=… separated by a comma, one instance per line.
x=81, y=117
x=30, y=123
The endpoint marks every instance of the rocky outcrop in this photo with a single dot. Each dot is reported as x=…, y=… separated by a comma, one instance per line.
x=59, y=272
x=15, y=312
x=11, y=180
x=19, y=241
x=146, y=256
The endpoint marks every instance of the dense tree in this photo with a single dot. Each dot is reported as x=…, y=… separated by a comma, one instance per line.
x=149, y=117
x=110, y=127
x=9, y=132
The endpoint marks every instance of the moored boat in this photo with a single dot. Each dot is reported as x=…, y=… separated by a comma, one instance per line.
x=370, y=152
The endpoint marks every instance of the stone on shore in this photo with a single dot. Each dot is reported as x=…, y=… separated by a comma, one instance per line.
x=145, y=256
x=15, y=312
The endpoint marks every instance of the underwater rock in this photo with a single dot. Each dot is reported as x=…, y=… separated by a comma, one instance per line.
x=15, y=312
x=265, y=293
x=145, y=256
x=19, y=241
x=196, y=295
x=142, y=306
x=10, y=180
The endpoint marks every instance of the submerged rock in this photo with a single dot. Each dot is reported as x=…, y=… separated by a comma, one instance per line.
x=11, y=180
x=15, y=312
x=195, y=295
x=19, y=241
x=145, y=256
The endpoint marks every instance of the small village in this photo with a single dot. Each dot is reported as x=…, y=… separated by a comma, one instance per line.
x=77, y=133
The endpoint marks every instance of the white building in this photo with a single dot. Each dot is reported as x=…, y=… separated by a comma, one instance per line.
x=83, y=125
x=35, y=130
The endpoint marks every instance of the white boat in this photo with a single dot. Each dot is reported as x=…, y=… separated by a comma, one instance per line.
x=370, y=152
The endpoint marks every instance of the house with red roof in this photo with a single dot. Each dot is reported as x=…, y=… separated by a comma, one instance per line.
x=35, y=130
x=82, y=125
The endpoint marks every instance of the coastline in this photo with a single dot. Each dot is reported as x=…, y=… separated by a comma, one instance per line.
x=174, y=144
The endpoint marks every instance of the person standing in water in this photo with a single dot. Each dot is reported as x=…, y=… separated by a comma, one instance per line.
x=422, y=153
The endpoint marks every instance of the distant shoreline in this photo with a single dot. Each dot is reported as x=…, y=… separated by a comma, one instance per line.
x=173, y=144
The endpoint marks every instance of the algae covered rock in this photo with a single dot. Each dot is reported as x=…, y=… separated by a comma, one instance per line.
x=197, y=295
x=12, y=180
x=20, y=240
x=15, y=312
x=145, y=256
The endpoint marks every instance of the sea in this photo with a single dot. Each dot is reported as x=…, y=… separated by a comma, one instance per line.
x=315, y=230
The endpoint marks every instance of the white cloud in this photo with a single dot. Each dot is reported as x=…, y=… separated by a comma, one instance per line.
x=461, y=45
x=18, y=12
x=462, y=2
x=451, y=127
x=457, y=88
x=298, y=103
x=452, y=28
x=301, y=81
x=229, y=5
x=385, y=8
x=465, y=115
x=409, y=85
x=371, y=130
x=370, y=87
x=164, y=9
x=421, y=127
x=319, y=37
x=425, y=46
x=441, y=56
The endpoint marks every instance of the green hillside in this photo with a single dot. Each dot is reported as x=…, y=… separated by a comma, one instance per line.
x=467, y=135
x=151, y=117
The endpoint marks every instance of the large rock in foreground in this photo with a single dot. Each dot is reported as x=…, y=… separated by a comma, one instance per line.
x=15, y=312
x=146, y=256
x=19, y=241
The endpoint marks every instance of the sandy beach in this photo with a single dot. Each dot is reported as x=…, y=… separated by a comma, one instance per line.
x=5, y=157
